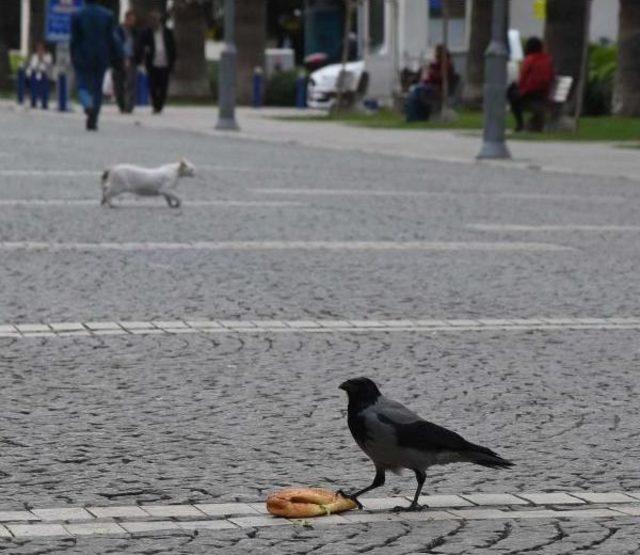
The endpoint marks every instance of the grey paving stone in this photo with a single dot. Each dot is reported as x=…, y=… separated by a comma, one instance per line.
x=555, y=498
x=633, y=510
x=479, y=514
x=37, y=530
x=488, y=499
x=610, y=497
x=258, y=521
x=237, y=324
x=588, y=513
x=335, y=323
x=270, y=324
x=367, y=323
x=130, y=511
x=227, y=509
x=442, y=500
x=206, y=324
x=172, y=510
x=172, y=324
x=329, y=520
x=17, y=516
x=426, y=515
x=206, y=525
x=366, y=517
x=537, y=513
x=135, y=527
x=133, y=325
x=32, y=328
x=67, y=326
x=96, y=529
x=260, y=508
x=382, y=503
x=100, y=326
x=62, y=514
x=302, y=324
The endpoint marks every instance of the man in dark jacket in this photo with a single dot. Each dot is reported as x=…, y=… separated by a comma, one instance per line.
x=159, y=48
x=125, y=74
x=93, y=49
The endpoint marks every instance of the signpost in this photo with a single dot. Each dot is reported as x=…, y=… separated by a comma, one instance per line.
x=58, y=19
x=58, y=31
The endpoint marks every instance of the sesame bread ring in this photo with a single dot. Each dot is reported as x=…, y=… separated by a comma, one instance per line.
x=307, y=502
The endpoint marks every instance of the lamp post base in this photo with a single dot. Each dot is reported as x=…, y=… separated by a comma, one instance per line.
x=496, y=150
x=227, y=124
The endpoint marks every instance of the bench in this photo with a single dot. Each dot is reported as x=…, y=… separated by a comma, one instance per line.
x=558, y=97
x=552, y=106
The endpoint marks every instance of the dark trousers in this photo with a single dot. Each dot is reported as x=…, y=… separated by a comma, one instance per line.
x=124, y=85
x=533, y=102
x=39, y=90
x=158, y=86
x=90, y=88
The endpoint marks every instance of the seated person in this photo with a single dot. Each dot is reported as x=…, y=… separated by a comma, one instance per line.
x=534, y=85
x=39, y=72
x=426, y=97
x=433, y=77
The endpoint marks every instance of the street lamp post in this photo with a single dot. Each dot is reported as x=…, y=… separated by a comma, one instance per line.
x=495, y=86
x=227, y=82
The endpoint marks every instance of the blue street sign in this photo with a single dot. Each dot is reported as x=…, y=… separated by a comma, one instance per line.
x=58, y=19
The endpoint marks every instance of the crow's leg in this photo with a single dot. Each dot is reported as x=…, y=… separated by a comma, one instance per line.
x=420, y=477
x=377, y=482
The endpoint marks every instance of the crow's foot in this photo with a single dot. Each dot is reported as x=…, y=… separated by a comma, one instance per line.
x=414, y=507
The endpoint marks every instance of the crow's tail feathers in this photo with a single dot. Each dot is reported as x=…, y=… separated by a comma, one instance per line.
x=486, y=457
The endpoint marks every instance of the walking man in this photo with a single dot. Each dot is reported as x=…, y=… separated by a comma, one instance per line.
x=93, y=49
x=159, y=55
x=125, y=75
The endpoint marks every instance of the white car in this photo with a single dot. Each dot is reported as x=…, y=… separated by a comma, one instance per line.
x=322, y=87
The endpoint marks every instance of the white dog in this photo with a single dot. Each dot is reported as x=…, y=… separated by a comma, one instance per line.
x=162, y=181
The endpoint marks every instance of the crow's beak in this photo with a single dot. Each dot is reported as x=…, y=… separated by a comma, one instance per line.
x=344, y=386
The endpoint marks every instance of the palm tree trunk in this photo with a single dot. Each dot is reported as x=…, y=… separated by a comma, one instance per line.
x=5, y=68
x=479, y=38
x=36, y=23
x=143, y=7
x=564, y=36
x=190, y=76
x=626, y=99
x=251, y=39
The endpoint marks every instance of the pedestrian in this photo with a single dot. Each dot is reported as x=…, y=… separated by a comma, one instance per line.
x=534, y=85
x=425, y=97
x=125, y=74
x=94, y=48
x=159, y=48
x=39, y=72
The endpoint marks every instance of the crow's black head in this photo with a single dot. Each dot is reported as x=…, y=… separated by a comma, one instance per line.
x=362, y=390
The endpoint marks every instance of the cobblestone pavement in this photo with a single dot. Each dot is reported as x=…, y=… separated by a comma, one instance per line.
x=174, y=418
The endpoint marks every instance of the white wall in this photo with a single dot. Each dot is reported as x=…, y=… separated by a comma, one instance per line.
x=604, y=19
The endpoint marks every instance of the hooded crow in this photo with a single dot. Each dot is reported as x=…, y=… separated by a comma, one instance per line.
x=394, y=437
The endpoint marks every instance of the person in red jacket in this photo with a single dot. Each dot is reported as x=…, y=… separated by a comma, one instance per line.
x=534, y=85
